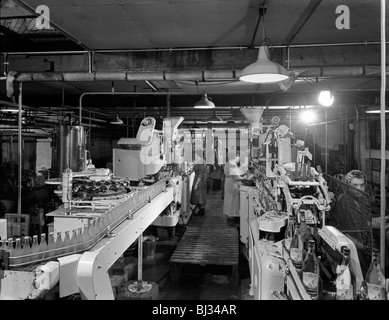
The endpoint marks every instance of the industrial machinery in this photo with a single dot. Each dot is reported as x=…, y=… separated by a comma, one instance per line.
x=149, y=152
x=101, y=215
x=283, y=190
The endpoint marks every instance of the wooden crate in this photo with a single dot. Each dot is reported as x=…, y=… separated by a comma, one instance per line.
x=17, y=226
x=369, y=175
x=376, y=164
x=368, y=165
x=376, y=177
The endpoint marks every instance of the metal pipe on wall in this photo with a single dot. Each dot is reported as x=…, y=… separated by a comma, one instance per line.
x=42, y=110
x=326, y=143
x=20, y=154
x=383, y=137
x=168, y=105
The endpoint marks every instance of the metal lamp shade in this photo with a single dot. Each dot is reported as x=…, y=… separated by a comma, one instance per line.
x=214, y=118
x=117, y=120
x=204, y=103
x=264, y=70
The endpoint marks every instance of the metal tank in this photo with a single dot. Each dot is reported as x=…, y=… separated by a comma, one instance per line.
x=70, y=149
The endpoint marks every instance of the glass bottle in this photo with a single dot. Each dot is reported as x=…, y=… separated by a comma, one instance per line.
x=35, y=248
x=17, y=252
x=296, y=248
x=310, y=271
x=51, y=245
x=26, y=251
x=375, y=279
x=289, y=232
x=305, y=230
x=43, y=245
x=11, y=245
x=59, y=244
x=66, y=243
x=345, y=278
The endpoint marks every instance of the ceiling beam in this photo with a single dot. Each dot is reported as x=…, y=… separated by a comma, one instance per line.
x=306, y=15
x=30, y=9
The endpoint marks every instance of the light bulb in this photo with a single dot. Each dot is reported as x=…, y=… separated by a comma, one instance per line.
x=326, y=98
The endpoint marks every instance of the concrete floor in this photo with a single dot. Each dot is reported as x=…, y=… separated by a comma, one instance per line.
x=195, y=282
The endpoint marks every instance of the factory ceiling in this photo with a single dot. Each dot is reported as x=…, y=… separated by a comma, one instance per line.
x=145, y=56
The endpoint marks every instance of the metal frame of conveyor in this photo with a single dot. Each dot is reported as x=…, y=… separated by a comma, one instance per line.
x=81, y=265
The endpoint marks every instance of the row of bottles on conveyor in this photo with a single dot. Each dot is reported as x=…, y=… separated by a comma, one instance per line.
x=302, y=251
x=307, y=266
x=28, y=249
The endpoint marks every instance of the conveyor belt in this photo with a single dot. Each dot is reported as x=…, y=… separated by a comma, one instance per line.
x=208, y=241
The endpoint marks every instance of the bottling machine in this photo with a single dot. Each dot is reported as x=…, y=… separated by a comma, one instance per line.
x=284, y=189
x=101, y=215
x=149, y=151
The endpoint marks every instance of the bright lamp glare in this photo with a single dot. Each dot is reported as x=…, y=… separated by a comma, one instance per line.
x=326, y=98
x=308, y=116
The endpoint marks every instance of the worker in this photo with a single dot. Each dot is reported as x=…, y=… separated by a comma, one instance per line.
x=217, y=168
x=353, y=211
x=351, y=198
x=198, y=196
x=356, y=179
x=233, y=175
x=244, y=160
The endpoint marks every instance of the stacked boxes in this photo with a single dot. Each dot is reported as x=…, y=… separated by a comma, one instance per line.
x=368, y=169
x=17, y=226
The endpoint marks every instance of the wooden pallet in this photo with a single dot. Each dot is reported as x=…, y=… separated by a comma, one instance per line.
x=207, y=242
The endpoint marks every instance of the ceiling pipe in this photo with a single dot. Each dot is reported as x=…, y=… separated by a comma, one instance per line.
x=360, y=43
x=90, y=61
x=199, y=75
x=54, y=112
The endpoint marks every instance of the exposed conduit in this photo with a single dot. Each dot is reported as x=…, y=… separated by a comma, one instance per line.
x=383, y=138
x=20, y=151
x=193, y=75
x=309, y=45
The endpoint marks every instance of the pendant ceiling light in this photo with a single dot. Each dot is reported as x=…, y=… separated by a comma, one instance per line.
x=264, y=70
x=204, y=103
x=214, y=118
x=116, y=120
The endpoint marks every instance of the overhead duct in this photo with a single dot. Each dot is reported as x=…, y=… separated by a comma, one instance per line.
x=199, y=75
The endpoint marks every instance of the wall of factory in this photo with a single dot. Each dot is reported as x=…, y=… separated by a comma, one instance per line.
x=101, y=149
x=315, y=140
x=370, y=155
